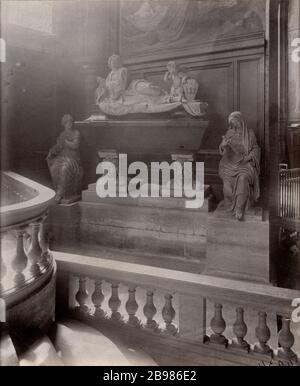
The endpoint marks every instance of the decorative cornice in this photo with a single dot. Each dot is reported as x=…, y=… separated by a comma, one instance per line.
x=231, y=43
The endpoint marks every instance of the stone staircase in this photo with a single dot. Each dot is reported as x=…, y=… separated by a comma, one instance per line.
x=67, y=343
x=152, y=231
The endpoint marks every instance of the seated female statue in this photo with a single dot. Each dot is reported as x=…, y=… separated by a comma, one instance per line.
x=64, y=163
x=240, y=166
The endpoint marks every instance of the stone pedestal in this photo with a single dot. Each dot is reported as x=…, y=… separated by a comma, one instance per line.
x=238, y=249
x=146, y=140
x=153, y=231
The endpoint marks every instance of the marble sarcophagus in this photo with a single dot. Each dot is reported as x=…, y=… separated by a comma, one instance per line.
x=141, y=139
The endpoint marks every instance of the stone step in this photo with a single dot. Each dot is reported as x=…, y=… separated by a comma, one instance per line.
x=82, y=345
x=41, y=353
x=155, y=219
x=155, y=242
x=162, y=231
x=163, y=228
x=155, y=230
x=90, y=195
x=8, y=355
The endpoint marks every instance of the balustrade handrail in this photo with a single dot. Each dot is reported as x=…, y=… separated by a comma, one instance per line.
x=258, y=296
x=24, y=270
x=21, y=212
x=80, y=283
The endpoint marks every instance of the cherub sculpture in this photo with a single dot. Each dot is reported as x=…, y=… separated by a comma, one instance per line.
x=183, y=87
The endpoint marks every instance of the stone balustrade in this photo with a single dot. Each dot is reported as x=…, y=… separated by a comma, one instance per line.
x=155, y=320
x=26, y=261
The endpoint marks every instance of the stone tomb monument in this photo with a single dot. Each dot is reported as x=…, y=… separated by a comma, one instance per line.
x=148, y=124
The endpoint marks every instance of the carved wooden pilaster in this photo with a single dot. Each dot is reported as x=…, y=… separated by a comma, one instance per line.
x=89, y=72
x=294, y=61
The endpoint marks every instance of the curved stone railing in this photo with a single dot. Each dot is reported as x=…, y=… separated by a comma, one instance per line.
x=27, y=266
x=178, y=313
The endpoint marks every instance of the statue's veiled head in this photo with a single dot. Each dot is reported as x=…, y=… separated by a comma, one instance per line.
x=67, y=121
x=114, y=62
x=236, y=121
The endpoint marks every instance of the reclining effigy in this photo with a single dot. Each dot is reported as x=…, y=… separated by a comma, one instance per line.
x=114, y=98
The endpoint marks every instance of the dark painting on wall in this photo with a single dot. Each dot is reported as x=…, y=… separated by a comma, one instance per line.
x=153, y=26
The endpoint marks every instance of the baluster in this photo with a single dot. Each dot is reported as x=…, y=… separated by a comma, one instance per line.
x=168, y=314
x=82, y=296
x=114, y=303
x=19, y=263
x=132, y=307
x=34, y=252
x=263, y=334
x=286, y=341
x=218, y=326
x=97, y=299
x=44, y=243
x=150, y=311
x=240, y=330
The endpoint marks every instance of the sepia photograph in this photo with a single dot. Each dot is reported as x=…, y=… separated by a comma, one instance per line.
x=150, y=185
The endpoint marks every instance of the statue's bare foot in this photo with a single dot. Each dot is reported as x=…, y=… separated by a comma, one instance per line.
x=239, y=215
x=58, y=198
